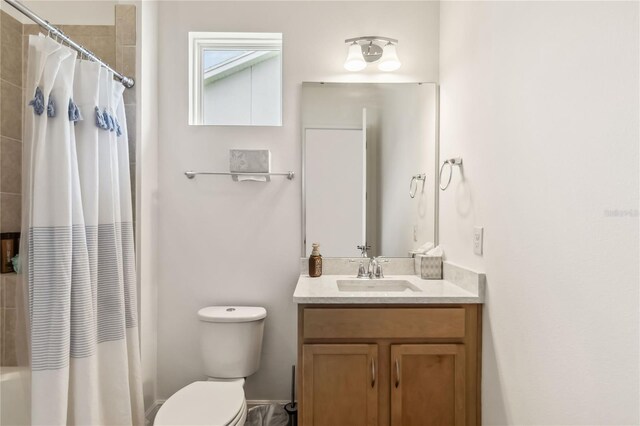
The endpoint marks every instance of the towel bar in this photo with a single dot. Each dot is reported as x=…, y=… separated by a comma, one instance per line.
x=191, y=174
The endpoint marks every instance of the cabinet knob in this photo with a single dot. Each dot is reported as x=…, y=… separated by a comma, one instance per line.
x=397, y=373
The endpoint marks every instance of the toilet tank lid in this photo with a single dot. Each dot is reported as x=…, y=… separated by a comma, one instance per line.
x=232, y=313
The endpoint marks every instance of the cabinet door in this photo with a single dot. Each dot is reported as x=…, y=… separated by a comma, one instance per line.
x=340, y=385
x=427, y=385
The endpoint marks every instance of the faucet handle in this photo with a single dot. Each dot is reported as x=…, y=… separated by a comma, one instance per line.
x=376, y=266
x=379, y=273
x=362, y=273
x=363, y=249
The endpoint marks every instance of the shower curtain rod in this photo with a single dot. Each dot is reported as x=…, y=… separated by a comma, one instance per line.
x=127, y=82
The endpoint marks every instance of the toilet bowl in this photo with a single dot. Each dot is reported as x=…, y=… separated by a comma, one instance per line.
x=231, y=343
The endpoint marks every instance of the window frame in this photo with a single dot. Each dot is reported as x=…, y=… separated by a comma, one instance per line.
x=199, y=42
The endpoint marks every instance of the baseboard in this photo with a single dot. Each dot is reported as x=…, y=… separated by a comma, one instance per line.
x=255, y=402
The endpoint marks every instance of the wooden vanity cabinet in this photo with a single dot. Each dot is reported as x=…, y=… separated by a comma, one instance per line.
x=428, y=385
x=340, y=384
x=389, y=365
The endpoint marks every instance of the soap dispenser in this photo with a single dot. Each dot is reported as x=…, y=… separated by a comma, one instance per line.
x=315, y=261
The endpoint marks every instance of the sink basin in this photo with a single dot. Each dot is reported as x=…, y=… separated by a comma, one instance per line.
x=376, y=285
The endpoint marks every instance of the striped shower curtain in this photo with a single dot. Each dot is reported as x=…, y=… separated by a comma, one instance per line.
x=78, y=249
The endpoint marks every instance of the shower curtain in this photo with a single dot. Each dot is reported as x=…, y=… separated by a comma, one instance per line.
x=77, y=247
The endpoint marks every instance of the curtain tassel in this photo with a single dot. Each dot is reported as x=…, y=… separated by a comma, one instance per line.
x=74, y=112
x=100, y=120
x=118, y=128
x=108, y=122
x=51, y=108
x=112, y=123
x=37, y=102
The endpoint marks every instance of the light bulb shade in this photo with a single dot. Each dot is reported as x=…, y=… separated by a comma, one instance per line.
x=355, y=61
x=389, y=60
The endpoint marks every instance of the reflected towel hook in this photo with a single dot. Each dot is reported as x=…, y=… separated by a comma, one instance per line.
x=456, y=161
x=413, y=185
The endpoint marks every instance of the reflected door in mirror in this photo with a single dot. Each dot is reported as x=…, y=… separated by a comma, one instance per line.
x=334, y=187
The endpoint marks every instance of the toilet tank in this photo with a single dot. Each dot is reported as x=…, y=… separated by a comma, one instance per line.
x=231, y=340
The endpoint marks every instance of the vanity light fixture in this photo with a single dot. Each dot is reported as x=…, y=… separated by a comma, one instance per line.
x=363, y=50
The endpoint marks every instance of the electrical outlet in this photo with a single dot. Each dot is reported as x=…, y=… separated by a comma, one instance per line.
x=477, y=239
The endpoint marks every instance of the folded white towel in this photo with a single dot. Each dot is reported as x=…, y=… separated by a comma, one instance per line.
x=426, y=247
x=436, y=251
x=252, y=178
x=422, y=249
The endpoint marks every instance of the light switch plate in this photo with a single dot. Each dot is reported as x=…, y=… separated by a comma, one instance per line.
x=477, y=239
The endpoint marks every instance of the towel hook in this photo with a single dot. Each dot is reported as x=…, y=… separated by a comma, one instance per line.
x=456, y=161
x=413, y=185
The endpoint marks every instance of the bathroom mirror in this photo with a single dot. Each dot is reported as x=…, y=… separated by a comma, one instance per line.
x=369, y=167
x=235, y=79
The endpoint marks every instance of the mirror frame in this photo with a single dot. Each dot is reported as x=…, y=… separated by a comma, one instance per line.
x=436, y=200
x=201, y=41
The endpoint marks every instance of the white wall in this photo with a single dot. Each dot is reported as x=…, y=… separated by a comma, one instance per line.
x=239, y=243
x=147, y=194
x=541, y=101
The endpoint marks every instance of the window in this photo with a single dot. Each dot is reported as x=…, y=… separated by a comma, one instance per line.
x=235, y=79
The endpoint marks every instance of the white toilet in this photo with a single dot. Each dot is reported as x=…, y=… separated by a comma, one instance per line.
x=231, y=342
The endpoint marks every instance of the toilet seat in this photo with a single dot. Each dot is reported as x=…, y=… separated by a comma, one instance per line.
x=241, y=417
x=205, y=403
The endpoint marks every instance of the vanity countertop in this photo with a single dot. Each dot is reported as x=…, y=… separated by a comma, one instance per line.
x=459, y=286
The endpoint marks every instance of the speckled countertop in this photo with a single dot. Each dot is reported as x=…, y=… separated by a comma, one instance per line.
x=459, y=285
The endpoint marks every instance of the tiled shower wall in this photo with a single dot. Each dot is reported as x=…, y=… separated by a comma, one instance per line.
x=11, y=98
x=116, y=45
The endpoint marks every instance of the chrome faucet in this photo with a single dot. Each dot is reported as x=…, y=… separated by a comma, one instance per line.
x=373, y=269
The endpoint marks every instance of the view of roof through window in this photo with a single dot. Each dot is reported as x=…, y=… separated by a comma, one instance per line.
x=213, y=58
